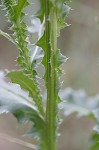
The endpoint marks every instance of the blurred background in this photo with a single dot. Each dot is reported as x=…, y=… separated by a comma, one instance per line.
x=80, y=43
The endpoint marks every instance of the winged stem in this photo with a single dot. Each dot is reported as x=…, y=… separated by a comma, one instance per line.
x=52, y=94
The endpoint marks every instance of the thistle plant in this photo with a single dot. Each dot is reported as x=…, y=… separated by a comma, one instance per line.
x=22, y=97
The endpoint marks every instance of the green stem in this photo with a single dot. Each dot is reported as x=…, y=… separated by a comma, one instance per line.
x=19, y=11
x=52, y=94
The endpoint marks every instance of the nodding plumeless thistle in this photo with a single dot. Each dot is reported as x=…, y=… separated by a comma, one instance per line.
x=22, y=97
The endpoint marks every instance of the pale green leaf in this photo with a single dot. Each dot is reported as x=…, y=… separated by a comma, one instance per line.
x=15, y=15
x=79, y=102
x=28, y=84
x=13, y=99
x=62, y=12
x=18, y=9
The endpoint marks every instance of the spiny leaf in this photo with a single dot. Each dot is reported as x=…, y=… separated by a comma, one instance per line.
x=28, y=84
x=19, y=28
x=21, y=4
x=20, y=36
x=60, y=58
x=13, y=99
x=8, y=5
x=62, y=12
x=15, y=16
